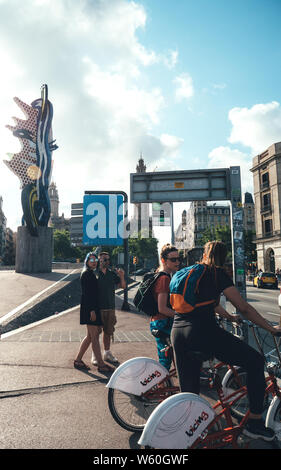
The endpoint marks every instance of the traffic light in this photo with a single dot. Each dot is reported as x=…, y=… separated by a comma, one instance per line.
x=135, y=260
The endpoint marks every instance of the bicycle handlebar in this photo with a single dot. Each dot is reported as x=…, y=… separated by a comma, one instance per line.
x=253, y=325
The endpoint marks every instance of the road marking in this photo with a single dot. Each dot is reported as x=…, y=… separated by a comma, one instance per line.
x=44, y=320
x=275, y=314
x=37, y=323
x=15, y=310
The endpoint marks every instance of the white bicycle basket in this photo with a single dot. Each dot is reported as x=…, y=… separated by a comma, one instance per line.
x=177, y=422
x=137, y=375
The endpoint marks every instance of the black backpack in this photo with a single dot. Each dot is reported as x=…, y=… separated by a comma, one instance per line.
x=144, y=299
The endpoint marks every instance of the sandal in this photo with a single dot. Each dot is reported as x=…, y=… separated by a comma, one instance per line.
x=80, y=365
x=105, y=368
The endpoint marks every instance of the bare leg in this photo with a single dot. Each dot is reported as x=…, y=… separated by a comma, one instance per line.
x=83, y=347
x=94, y=332
x=106, y=341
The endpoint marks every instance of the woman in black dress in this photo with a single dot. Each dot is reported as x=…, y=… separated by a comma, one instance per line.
x=90, y=315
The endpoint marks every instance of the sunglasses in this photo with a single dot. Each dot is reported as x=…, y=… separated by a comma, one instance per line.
x=106, y=259
x=174, y=260
x=93, y=259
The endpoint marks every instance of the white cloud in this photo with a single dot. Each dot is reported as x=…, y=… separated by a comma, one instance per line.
x=115, y=92
x=170, y=59
x=224, y=157
x=257, y=127
x=105, y=109
x=184, y=87
x=219, y=86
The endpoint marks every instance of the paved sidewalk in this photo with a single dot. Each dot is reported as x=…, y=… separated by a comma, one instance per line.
x=45, y=403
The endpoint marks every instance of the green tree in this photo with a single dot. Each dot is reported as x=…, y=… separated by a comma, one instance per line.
x=62, y=247
x=145, y=249
x=250, y=246
x=221, y=233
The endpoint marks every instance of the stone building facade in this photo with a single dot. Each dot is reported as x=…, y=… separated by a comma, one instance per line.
x=267, y=197
x=58, y=222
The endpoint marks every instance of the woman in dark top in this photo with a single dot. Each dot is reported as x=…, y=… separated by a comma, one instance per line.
x=198, y=331
x=90, y=315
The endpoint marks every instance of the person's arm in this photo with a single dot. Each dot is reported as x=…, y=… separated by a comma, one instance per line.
x=249, y=312
x=223, y=313
x=162, y=305
x=121, y=274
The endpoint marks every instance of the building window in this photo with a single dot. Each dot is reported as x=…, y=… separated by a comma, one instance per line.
x=266, y=201
x=265, y=180
x=268, y=226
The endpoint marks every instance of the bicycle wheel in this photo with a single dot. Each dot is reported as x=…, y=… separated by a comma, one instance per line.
x=132, y=411
x=231, y=383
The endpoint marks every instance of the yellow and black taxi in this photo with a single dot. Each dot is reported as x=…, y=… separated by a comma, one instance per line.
x=266, y=280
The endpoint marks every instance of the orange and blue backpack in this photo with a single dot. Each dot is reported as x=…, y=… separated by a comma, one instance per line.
x=184, y=289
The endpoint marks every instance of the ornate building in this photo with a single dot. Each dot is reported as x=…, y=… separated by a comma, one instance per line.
x=202, y=215
x=249, y=213
x=141, y=221
x=267, y=196
x=56, y=221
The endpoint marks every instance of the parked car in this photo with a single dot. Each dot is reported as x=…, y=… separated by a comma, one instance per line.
x=266, y=280
x=279, y=299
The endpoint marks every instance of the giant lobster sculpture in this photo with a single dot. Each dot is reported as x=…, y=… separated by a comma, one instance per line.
x=33, y=164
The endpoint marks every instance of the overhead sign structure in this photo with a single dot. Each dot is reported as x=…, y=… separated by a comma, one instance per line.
x=179, y=186
x=103, y=219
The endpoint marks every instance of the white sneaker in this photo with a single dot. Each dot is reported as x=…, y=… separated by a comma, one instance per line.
x=108, y=356
x=94, y=361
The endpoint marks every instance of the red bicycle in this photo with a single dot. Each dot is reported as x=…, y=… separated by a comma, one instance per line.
x=187, y=421
x=138, y=386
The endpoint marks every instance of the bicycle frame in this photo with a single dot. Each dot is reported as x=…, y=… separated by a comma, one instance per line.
x=227, y=431
x=230, y=434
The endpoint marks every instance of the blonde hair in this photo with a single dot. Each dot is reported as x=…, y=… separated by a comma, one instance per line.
x=166, y=249
x=214, y=253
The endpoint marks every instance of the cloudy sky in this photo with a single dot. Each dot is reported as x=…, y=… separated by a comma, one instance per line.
x=188, y=83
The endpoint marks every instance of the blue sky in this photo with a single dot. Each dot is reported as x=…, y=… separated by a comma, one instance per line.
x=232, y=52
x=189, y=83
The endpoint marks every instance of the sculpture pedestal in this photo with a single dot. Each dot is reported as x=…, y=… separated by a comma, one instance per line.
x=34, y=254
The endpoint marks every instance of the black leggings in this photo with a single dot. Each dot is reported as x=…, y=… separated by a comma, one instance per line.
x=224, y=346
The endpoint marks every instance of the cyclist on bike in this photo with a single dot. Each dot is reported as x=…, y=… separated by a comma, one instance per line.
x=197, y=331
